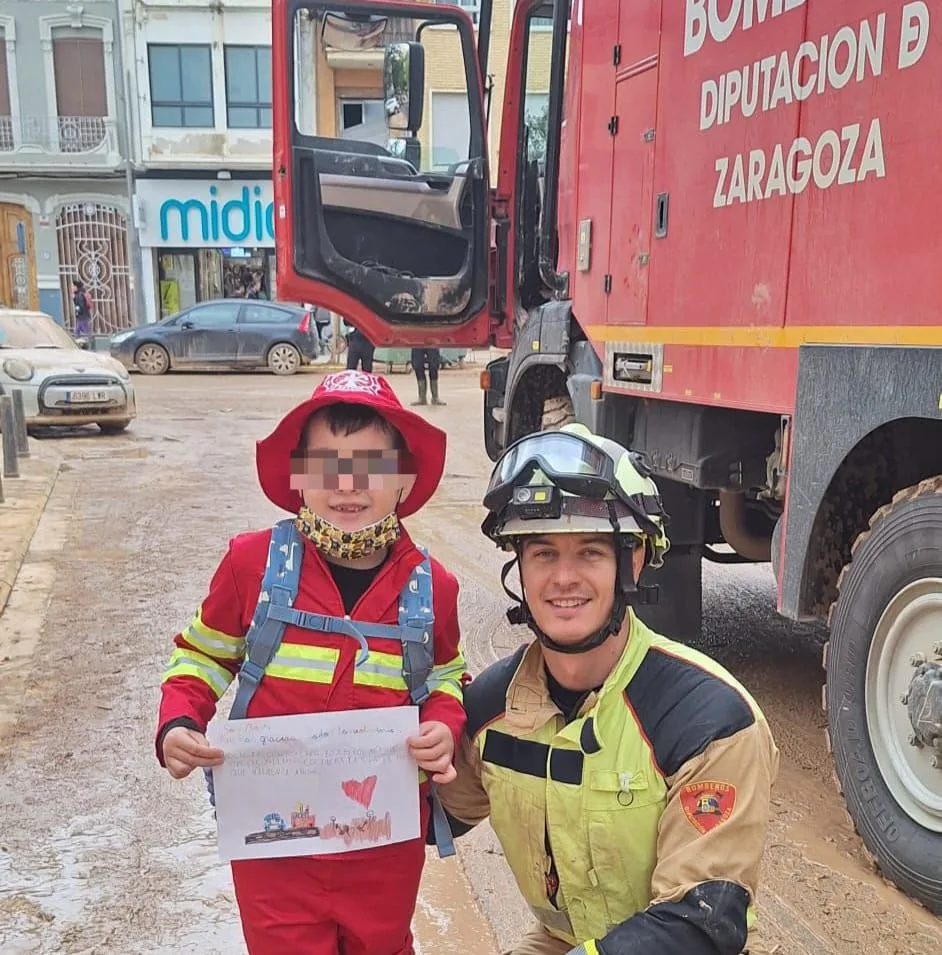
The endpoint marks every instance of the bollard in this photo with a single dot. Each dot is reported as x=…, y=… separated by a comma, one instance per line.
x=19, y=415
x=11, y=466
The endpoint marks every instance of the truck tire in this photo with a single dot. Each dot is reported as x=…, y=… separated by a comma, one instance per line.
x=557, y=413
x=884, y=690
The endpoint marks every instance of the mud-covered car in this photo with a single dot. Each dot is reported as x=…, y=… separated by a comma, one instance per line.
x=62, y=384
x=223, y=333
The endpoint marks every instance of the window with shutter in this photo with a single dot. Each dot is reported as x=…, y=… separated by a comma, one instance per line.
x=4, y=79
x=81, y=93
x=6, y=120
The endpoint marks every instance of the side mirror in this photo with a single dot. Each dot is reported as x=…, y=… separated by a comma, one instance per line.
x=186, y=324
x=404, y=86
x=408, y=148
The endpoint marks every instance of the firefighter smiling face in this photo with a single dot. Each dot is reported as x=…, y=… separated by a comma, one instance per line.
x=569, y=582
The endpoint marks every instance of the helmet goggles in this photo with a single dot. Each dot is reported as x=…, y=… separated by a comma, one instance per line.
x=572, y=463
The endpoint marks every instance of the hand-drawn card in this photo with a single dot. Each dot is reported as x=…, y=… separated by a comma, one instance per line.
x=315, y=784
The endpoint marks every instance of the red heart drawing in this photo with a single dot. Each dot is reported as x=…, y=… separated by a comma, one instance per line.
x=360, y=791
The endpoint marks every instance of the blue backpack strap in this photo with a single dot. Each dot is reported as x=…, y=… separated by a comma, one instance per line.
x=416, y=629
x=416, y=624
x=279, y=589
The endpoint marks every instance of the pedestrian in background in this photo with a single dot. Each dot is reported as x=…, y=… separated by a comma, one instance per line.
x=359, y=351
x=82, y=304
x=431, y=357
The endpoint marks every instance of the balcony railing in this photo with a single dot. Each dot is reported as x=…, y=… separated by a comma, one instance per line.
x=58, y=136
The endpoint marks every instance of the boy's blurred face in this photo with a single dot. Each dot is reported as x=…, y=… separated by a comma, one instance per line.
x=351, y=480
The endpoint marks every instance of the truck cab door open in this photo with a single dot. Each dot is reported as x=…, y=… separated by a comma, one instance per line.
x=384, y=223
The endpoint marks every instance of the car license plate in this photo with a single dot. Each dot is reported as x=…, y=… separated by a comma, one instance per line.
x=87, y=397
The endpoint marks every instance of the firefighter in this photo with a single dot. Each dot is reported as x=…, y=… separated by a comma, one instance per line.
x=627, y=777
x=347, y=463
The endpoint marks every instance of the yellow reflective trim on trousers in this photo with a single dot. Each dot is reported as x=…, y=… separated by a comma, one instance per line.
x=381, y=670
x=193, y=663
x=307, y=664
x=216, y=643
x=446, y=678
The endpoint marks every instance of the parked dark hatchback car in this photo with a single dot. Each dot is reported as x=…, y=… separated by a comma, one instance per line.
x=236, y=333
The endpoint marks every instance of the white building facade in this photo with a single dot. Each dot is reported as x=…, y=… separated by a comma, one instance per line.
x=203, y=192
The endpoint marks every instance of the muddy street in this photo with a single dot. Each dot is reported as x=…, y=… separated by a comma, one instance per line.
x=101, y=852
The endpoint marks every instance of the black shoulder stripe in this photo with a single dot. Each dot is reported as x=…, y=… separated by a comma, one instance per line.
x=485, y=697
x=683, y=708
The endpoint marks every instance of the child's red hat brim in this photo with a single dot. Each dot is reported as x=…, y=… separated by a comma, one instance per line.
x=424, y=441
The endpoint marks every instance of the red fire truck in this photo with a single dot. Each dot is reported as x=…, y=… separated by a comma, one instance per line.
x=713, y=233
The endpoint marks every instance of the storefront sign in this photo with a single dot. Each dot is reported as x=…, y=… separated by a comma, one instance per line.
x=200, y=213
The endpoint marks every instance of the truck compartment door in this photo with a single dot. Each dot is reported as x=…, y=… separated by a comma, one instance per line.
x=382, y=221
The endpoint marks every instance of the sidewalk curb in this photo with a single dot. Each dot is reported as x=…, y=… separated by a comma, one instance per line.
x=26, y=499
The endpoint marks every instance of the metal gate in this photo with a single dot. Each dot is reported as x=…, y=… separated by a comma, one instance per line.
x=93, y=248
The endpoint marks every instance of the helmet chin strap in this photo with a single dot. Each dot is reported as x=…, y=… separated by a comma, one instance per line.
x=625, y=586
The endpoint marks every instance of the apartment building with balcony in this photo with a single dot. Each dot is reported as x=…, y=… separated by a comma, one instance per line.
x=64, y=205
x=203, y=203
x=202, y=117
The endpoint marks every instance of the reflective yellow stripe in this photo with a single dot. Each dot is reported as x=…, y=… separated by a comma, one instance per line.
x=381, y=670
x=213, y=642
x=193, y=663
x=296, y=661
x=446, y=678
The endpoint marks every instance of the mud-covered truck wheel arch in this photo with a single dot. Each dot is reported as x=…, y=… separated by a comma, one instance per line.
x=863, y=543
x=884, y=689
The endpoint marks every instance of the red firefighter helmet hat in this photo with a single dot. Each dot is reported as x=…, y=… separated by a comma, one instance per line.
x=423, y=440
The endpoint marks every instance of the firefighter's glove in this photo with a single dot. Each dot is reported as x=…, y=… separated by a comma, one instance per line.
x=185, y=750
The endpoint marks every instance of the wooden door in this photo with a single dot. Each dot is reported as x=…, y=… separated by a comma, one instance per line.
x=17, y=259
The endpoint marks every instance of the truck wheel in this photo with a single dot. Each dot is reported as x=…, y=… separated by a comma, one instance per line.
x=884, y=690
x=557, y=413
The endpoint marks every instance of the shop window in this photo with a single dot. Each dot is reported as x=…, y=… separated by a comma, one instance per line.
x=176, y=281
x=6, y=119
x=181, y=85
x=248, y=87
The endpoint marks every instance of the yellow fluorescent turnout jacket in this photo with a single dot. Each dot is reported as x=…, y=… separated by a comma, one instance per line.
x=636, y=828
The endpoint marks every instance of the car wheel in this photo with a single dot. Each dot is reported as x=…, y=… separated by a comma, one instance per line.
x=284, y=359
x=113, y=427
x=152, y=359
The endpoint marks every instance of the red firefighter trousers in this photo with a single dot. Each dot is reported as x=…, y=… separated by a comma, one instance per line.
x=358, y=903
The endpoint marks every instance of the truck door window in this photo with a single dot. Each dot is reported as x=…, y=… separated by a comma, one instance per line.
x=389, y=199
x=539, y=73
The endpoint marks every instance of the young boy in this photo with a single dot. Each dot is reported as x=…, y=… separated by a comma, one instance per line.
x=349, y=462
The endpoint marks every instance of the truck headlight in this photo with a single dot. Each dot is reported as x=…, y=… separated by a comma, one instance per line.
x=18, y=369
